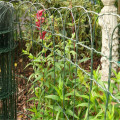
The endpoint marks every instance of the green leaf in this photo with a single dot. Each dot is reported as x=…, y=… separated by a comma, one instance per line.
x=57, y=116
x=73, y=53
x=58, y=66
x=56, y=108
x=69, y=112
x=114, y=72
x=77, y=94
x=83, y=96
x=37, y=79
x=53, y=97
x=73, y=35
x=57, y=90
x=69, y=94
x=98, y=115
x=84, y=60
x=60, y=84
x=86, y=114
x=82, y=105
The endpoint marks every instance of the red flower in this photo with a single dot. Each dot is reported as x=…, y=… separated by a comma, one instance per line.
x=37, y=24
x=39, y=14
x=43, y=35
x=42, y=19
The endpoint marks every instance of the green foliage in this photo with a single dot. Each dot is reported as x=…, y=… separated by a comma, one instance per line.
x=58, y=87
x=81, y=21
x=49, y=96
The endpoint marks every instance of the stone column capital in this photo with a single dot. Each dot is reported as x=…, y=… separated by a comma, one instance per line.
x=108, y=2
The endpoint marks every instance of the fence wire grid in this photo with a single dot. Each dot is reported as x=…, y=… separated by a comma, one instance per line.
x=50, y=62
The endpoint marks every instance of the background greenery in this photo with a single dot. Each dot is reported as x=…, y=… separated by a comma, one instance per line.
x=58, y=89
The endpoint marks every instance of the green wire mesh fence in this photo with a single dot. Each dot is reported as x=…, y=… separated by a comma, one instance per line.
x=54, y=65
x=7, y=79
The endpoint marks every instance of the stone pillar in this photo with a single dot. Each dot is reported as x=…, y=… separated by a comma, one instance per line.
x=108, y=23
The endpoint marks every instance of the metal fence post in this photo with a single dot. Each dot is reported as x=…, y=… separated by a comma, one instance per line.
x=108, y=22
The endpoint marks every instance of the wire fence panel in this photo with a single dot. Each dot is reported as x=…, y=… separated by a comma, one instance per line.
x=57, y=63
x=7, y=71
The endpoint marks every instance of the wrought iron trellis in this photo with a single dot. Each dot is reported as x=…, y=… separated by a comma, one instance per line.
x=58, y=33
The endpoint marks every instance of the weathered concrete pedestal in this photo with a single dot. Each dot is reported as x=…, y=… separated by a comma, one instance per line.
x=108, y=22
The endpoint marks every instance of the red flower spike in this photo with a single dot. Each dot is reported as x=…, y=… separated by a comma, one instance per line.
x=39, y=14
x=40, y=22
x=43, y=35
x=37, y=24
